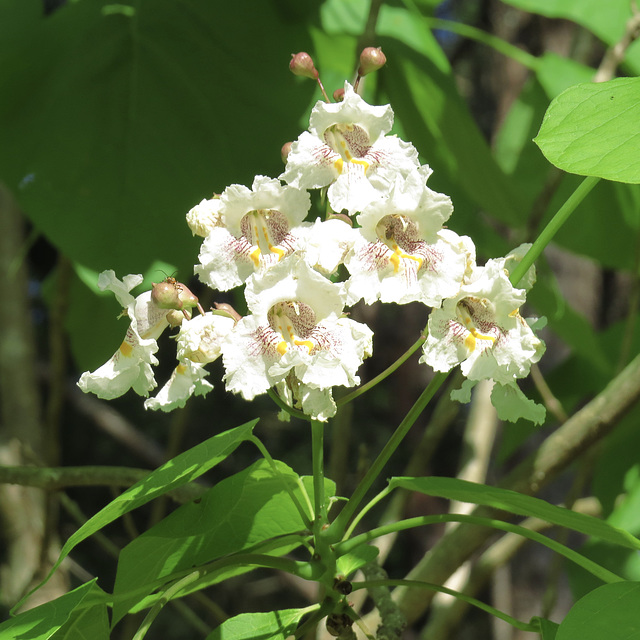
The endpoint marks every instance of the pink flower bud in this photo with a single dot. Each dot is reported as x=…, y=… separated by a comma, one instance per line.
x=338, y=95
x=371, y=59
x=284, y=152
x=302, y=65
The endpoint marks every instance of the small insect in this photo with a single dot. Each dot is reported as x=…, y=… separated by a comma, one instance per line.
x=171, y=294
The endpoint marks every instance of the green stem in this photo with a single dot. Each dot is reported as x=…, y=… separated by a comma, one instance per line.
x=372, y=503
x=285, y=407
x=600, y=572
x=337, y=528
x=317, y=450
x=166, y=596
x=524, y=626
x=381, y=376
x=552, y=228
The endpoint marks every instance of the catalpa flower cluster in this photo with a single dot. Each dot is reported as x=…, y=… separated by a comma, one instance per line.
x=385, y=228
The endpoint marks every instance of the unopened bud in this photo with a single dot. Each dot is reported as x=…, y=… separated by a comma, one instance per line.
x=302, y=65
x=166, y=295
x=341, y=216
x=338, y=95
x=228, y=310
x=175, y=318
x=371, y=59
x=171, y=294
x=284, y=152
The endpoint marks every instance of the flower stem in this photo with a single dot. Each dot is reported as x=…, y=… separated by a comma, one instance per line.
x=518, y=624
x=338, y=527
x=381, y=376
x=317, y=449
x=552, y=228
x=589, y=565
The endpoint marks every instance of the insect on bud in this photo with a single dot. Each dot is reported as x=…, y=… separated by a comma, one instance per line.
x=302, y=65
x=338, y=95
x=284, y=152
x=166, y=295
x=171, y=294
x=371, y=59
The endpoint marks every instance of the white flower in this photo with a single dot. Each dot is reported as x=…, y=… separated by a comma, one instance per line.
x=296, y=334
x=130, y=366
x=482, y=329
x=347, y=147
x=204, y=217
x=199, y=342
x=402, y=254
x=257, y=230
x=327, y=243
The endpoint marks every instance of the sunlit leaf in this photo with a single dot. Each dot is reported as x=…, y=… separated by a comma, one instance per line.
x=593, y=129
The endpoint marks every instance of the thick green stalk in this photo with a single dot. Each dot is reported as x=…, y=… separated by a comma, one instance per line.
x=552, y=228
x=338, y=527
x=317, y=449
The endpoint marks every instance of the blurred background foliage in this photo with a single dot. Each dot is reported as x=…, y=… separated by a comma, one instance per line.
x=117, y=118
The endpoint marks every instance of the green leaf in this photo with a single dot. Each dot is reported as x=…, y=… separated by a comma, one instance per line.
x=512, y=405
x=463, y=394
x=354, y=560
x=439, y=123
x=605, y=19
x=177, y=472
x=113, y=124
x=237, y=514
x=517, y=503
x=274, y=625
x=610, y=612
x=548, y=629
x=593, y=129
x=79, y=614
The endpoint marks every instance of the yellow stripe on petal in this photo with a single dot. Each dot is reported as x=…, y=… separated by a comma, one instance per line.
x=181, y=369
x=126, y=349
x=305, y=343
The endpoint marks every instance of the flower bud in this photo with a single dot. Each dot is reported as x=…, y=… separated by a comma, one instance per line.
x=302, y=65
x=342, y=216
x=227, y=309
x=166, y=295
x=175, y=318
x=284, y=152
x=338, y=95
x=371, y=59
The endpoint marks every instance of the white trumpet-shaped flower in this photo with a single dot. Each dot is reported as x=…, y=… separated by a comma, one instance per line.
x=402, y=253
x=199, y=342
x=296, y=336
x=481, y=328
x=256, y=230
x=347, y=148
x=130, y=366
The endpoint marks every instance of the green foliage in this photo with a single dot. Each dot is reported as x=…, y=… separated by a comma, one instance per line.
x=117, y=118
x=238, y=514
x=611, y=611
x=81, y=613
x=517, y=503
x=176, y=473
x=276, y=625
x=592, y=129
